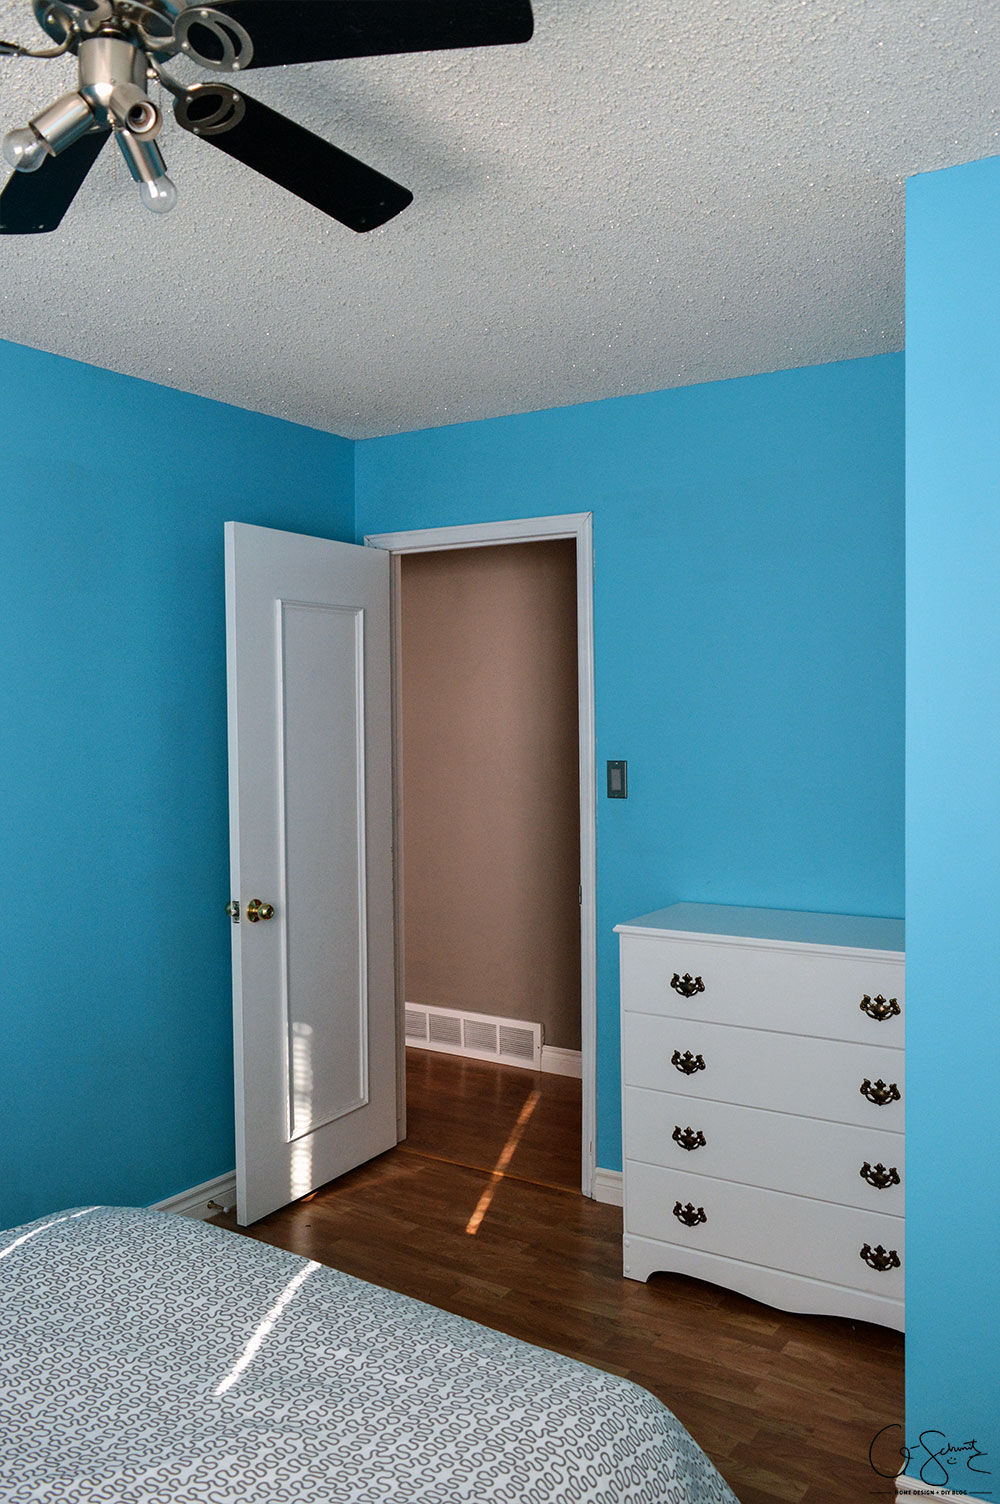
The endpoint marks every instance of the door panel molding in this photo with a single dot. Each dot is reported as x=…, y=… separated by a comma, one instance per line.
x=322, y=722
x=579, y=526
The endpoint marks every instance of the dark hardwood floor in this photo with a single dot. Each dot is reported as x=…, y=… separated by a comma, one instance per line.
x=466, y=1112
x=786, y=1406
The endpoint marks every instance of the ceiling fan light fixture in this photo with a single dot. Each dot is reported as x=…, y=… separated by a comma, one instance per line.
x=24, y=149
x=145, y=162
x=133, y=111
x=122, y=45
x=158, y=195
x=60, y=125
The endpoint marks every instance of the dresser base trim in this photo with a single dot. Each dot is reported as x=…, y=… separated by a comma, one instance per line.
x=788, y=1292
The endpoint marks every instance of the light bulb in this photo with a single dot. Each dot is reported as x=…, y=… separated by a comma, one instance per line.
x=24, y=149
x=158, y=194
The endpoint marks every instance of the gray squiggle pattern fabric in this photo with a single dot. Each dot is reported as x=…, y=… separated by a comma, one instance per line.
x=148, y=1359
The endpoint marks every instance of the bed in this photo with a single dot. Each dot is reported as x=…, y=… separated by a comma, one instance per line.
x=149, y=1359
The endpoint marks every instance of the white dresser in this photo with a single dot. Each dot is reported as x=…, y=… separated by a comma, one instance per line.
x=762, y=1056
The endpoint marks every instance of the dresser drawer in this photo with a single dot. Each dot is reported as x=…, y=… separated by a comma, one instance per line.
x=819, y=1078
x=813, y=1238
x=796, y=991
x=805, y=1156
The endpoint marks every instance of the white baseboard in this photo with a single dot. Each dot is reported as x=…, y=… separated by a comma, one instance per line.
x=561, y=1062
x=608, y=1186
x=221, y=1192
x=483, y=1036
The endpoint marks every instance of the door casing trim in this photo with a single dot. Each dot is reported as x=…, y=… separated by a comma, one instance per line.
x=579, y=526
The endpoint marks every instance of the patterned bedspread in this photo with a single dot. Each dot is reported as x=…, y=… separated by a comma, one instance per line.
x=148, y=1359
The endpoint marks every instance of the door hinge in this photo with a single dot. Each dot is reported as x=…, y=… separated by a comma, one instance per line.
x=579, y=894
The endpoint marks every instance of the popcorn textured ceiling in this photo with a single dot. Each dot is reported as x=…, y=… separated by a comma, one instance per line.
x=645, y=196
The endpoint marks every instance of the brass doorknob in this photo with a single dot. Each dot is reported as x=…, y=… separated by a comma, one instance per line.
x=257, y=910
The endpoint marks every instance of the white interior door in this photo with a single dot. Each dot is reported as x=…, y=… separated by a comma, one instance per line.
x=310, y=774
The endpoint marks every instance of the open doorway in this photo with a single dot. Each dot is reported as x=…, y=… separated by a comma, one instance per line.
x=489, y=755
x=494, y=759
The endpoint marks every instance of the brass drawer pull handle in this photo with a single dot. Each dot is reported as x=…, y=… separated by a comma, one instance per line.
x=687, y=1063
x=878, y=1258
x=880, y=1094
x=880, y=1009
x=880, y=1177
x=687, y=985
x=690, y=1215
x=688, y=1138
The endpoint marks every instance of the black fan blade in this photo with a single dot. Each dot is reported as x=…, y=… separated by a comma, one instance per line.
x=291, y=156
x=35, y=202
x=309, y=31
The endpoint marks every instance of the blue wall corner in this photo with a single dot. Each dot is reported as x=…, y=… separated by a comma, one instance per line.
x=748, y=631
x=116, y=1011
x=953, y=816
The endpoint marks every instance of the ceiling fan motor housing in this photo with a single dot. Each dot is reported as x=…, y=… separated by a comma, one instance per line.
x=163, y=28
x=152, y=21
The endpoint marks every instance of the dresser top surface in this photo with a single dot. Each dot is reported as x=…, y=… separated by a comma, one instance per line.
x=787, y=926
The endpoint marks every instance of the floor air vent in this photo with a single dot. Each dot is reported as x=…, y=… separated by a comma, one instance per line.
x=444, y=1029
x=416, y=1026
x=477, y=1035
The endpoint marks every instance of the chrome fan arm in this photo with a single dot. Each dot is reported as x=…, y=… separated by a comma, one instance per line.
x=14, y=49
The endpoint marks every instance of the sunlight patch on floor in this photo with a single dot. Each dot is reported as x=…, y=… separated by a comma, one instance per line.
x=506, y=1155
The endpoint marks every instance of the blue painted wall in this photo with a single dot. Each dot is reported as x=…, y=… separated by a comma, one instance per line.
x=749, y=631
x=749, y=666
x=953, y=813
x=115, y=1032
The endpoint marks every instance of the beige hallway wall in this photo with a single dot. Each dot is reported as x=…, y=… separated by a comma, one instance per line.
x=490, y=783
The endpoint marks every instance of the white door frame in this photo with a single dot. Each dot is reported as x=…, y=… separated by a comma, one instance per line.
x=579, y=526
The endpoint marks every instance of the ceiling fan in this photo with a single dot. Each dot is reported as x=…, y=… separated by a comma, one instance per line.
x=122, y=45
